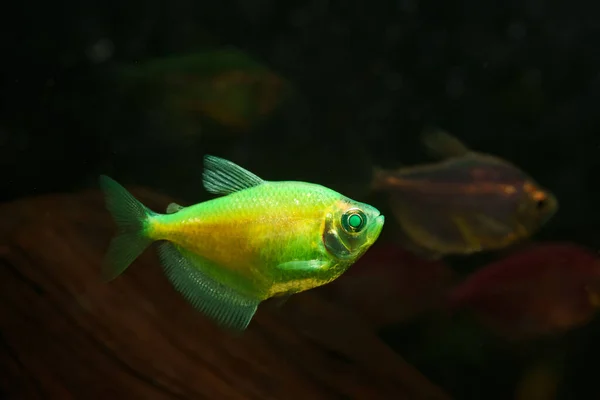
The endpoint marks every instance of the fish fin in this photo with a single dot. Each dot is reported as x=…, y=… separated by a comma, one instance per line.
x=222, y=304
x=173, y=208
x=472, y=242
x=300, y=270
x=131, y=217
x=441, y=144
x=496, y=226
x=301, y=265
x=223, y=177
x=384, y=179
x=378, y=176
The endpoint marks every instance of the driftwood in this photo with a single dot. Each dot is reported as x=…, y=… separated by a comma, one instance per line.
x=65, y=334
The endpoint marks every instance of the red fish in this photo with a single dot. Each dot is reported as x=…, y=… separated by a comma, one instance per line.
x=389, y=284
x=543, y=289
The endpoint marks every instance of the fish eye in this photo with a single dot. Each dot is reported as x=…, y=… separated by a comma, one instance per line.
x=354, y=220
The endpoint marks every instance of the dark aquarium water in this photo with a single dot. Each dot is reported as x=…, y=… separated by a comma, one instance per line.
x=471, y=126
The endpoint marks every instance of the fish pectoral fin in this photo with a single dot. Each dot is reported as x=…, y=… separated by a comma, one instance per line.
x=173, y=208
x=493, y=224
x=302, y=266
x=441, y=144
x=300, y=269
x=223, y=177
x=222, y=304
x=472, y=242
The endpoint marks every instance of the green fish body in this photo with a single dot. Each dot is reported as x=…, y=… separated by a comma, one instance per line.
x=261, y=239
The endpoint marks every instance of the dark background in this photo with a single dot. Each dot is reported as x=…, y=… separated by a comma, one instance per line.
x=519, y=79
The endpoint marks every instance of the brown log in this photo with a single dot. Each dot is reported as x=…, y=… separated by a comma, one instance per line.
x=66, y=334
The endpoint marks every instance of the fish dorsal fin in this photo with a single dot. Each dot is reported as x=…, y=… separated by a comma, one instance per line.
x=222, y=304
x=441, y=144
x=172, y=208
x=224, y=177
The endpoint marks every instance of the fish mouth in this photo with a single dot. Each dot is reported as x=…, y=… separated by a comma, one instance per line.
x=376, y=227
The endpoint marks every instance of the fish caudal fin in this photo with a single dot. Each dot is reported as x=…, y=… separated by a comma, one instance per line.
x=130, y=216
x=222, y=304
x=378, y=176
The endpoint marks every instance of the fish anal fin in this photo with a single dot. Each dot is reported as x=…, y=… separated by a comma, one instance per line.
x=223, y=177
x=224, y=305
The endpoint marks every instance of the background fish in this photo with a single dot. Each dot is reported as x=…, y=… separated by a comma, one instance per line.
x=263, y=239
x=468, y=202
x=545, y=289
x=225, y=86
x=390, y=285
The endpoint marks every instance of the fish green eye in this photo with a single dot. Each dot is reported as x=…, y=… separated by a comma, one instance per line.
x=354, y=221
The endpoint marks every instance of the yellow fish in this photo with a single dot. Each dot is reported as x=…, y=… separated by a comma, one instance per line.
x=260, y=239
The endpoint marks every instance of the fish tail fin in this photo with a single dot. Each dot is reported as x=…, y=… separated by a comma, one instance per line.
x=377, y=177
x=131, y=217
